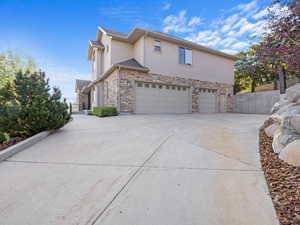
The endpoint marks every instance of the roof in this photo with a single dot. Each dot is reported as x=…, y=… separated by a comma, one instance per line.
x=131, y=63
x=136, y=33
x=97, y=44
x=126, y=64
x=80, y=84
x=114, y=32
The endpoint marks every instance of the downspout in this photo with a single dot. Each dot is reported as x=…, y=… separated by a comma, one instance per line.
x=118, y=91
x=144, y=50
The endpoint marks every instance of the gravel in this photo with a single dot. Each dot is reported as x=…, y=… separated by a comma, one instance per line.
x=283, y=181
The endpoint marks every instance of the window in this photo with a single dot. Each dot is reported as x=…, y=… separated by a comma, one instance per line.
x=157, y=46
x=185, y=56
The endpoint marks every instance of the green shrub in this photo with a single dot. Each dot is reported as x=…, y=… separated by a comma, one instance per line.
x=28, y=107
x=105, y=111
x=3, y=137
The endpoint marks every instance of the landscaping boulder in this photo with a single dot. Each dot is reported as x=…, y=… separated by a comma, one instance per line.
x=270, y=130
x=285, y=128
x=293, y=93
x=295, y=122
x=291, y=153
x=278, y=105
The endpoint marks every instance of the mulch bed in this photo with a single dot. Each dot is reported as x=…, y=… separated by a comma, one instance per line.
x=283, y=181
x=11, y=142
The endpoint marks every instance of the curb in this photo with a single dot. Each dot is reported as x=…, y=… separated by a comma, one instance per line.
x=10, y=151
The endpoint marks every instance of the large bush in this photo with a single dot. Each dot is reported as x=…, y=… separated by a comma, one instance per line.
x=105, y=111
x=27, y=106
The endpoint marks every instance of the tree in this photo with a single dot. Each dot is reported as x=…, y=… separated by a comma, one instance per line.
x=11, y=63
x=249, y=73
x=27, y=106
x=281, y=44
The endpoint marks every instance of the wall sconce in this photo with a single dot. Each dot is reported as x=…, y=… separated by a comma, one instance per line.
x=129, y=84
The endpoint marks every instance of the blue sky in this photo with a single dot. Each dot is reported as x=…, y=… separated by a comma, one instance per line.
x=56, y=33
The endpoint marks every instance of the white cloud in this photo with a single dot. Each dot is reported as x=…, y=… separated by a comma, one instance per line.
x=229, y=51
x=179, y=23
x=235, y=30
x=166, y=6
x=240, y=45
x=247, y=7
x=260, y=14
x=195, y=21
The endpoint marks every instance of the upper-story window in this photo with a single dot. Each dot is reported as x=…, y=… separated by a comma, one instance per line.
x=185, y=56
x=157, y=46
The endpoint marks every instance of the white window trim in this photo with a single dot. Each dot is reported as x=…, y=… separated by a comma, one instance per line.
x=185, y=56
x=157, y=45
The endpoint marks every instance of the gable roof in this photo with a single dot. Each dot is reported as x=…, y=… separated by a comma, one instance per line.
x=80, y=84
x=126, y=64
x=114, y=32
x=136, y=33
x=132, y=63
x=97, y=44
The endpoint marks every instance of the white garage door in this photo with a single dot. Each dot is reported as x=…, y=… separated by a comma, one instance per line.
x=159, y=98
x=207, y=101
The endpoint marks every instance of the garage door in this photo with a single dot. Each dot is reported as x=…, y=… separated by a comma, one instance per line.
x=161, y=98
x=207, y=101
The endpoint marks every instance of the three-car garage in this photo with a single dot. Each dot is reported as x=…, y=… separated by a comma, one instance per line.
x=165, y=98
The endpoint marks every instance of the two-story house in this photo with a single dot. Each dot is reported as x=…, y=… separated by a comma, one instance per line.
x=151, y=72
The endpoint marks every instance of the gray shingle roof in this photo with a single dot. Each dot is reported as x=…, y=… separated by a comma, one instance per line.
x=114, y=32
x=131, y=63
x=96, y=44
x=79, y=84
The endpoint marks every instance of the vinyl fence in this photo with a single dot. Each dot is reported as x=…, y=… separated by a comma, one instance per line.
x=256, y=103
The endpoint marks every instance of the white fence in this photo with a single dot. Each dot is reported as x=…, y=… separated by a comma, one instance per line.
x=257, y=102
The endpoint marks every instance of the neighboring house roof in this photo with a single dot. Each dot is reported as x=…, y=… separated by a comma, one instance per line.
x=126, y=64
x=136, y=33
x=80, y=84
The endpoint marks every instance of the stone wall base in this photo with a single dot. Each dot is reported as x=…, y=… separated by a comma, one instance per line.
x=120, y=89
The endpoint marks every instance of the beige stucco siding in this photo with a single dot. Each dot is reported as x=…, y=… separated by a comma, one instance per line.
x=206, y=67
x=138, y=50
x=106, y=59
x=120, y=51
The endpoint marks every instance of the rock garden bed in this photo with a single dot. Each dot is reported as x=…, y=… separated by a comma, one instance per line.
x=283, y=181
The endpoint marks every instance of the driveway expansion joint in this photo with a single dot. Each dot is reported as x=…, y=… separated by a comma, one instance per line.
x=130, y=166
x=132, y=177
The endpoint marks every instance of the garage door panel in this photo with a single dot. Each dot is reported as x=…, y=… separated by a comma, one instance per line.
x=207, y=102
x=161, y=100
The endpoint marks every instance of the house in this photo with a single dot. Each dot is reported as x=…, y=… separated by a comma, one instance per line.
x=151, y=72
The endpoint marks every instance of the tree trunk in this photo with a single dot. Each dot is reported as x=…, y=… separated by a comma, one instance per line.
x=275, y=82
x=284, y=79
x=281, y=81
x=253, y=86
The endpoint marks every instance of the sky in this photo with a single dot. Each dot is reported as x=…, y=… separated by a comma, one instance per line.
x=55, y=33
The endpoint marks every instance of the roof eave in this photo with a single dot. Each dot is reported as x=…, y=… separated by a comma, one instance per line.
x=109, y=71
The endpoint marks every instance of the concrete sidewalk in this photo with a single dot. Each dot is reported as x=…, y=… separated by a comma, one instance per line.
x=140, y=170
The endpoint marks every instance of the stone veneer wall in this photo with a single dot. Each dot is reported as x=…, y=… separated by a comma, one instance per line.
x=111, y=90
x=127, y=88
x=82, y=100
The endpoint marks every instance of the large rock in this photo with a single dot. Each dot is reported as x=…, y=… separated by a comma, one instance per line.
x=270, y=130
x=291, y=153
x=293, y=93
x=276, y=144
x=285, y=134
x=295, y=122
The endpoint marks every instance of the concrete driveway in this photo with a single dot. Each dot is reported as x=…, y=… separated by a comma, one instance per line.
x=193, y=169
